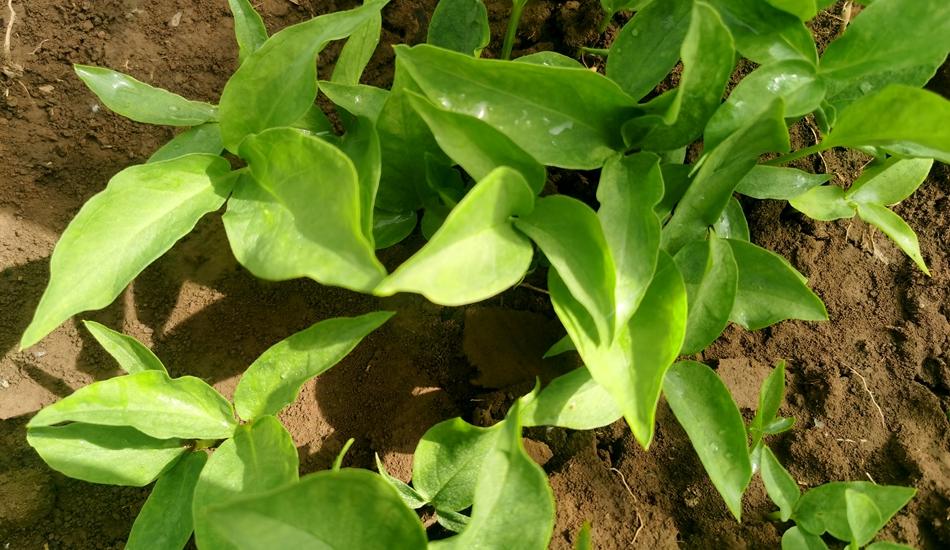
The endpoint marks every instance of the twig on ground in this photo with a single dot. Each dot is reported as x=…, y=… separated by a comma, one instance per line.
x=624, y=480
x=6, y=39
x=534, y=288
x=871, y=395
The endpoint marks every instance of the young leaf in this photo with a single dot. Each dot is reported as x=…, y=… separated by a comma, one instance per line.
x=358, y=50
x=248, y=28
x=205, y=138
x=711, y=276
x=274, y=379
x=476, y=253
x=583, y=541
x=890, y=182
x=447, y=463
x=278, y=83
x=824, y=508
x=390, y=228
x=777, y=182
x=113, y=455
x=131, y=354
x=410, y=496
x=764, y=33
x=797, y=538
x=143, y=211
x=460, y=26
x=143, y=103
x=572, y=401
x=648, y=46
x=780, y=485
x=896, y=228
x=732, y=223
x=563, y=117
x=324, y=510
x=165, y=521
x=703, y=406
x=149, y=401
x=770, y=290
x=770, y=399
x=864, y=519
x=564, y=345
x=358, y=100
x=260, y=457
x=270, y=224
x=824, y=203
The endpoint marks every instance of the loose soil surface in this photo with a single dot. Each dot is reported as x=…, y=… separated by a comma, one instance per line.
x=870, y=389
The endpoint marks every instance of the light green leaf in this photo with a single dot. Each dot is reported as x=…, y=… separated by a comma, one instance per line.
x=825, y=203
x=274, y=379
x=888, y=545
x=676, y=180
x=889, y=182
x=824, y=508
x=564, y=345
x=113, y=455
x=278, y=83
x=448, y=460
x=572, y=401
x=131, y=354
x=732, y=223
x=143, y=211
x=326, y=510
x=770, y=399
x=358, y=50
x=648, y=46
x=410, y=496
x=476, y=253
x=864, y=519
x=390, y=228
x=583, y=541
x=778, y=182
x=460, y=26
x=780, y=485
x=802, y=9
x=706, y=411
x=150, y=402
x=205, y=138
x=143, y=103
x=896, y=228
x=248, y=28
x=453, y=521
x=797, y=538
x=770, y=290
x=165, y=521
x=358, y=100
x=270, y=221
x=315, y=121
x=764, y=33
x=563, y=117
x=361, y=144
x=711, y=276
x=550, y=59
x=260, y=457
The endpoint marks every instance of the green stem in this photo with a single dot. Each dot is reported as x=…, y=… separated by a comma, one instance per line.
x=339, y=458
x=516, y=9
x=602, y=52
x=795, y=155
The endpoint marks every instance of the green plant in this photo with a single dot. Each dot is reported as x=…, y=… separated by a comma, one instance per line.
x=655, y=272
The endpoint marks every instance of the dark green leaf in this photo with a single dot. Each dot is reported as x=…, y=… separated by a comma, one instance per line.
x=165, y=521
x=572, y=401
x=447, y=463
x=248, y=28
x=710, y=274
x=205, y=138
x=390, y=228
x=676, y=180
x=732, y=223
x=780, y=485
x=131, y=354
x=896, y=228
x=824, y=508
x=460, y=26
x=776, y=182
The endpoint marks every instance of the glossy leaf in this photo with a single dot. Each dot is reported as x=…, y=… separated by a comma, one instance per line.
x=797, y=538
x=732, y=224
x=448, y=461
x=113, y=455
x=141, y=102
x=889, y=182
x=249, y=28
x=131, y=354
x=205, y=138
x=149, y=401
x=703, y=406
x=781, y=487
x=460, y=26
x=896, y=228
x=864, y=518
x=770, y=290
x=358, y=50
x=274, y=379
x=358, y=100
x=764, y=33
x=165, y=521
x=776, y=182
x=563, y=117
x=143, y=211
x=260, y=457
x=410, y=496
x=824, y=203
x=390, y=228
x=278, y=83
x=648, y=46
x=476, y=253
x=572, y=401
x=711, y=276
x=324, y=510
x=824, y=508
x=550, y=59
x=270, y=222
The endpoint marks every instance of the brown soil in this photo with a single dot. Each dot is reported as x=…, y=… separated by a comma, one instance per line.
x=870, y=389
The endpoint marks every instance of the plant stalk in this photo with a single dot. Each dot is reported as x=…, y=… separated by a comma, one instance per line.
x=517, y=8
x=795, y=155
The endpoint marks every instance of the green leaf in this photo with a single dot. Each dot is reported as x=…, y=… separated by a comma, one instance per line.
x=711, y=277
x=583, y=541
x=770, y=290
x=896, y=228
x=361, y=144
x=732, y=223
x=564, y=345
x=703, y=406
x=629, y=190
x=648, y=46
x=708, y=58
x=563, y=117
x=410, y=496
x=248, y=28
x=274, y=380
x=358, y=100
x=205, y=138
x=113, y=455
x=270, y=221
x=780, y=485
x=141, y=213
x=150, y=402
x=797, y=538
x=453, y=521
x=770, y=399
x=447, y=463
x=475, y=145
x=796, y=82
x=476, y=253
x=889, y=182
x=863, y=517
x=514, y=505
x=276, y=84
x=460, y=26
x=824, y=508
x=611, y=7
x=345, y=509
x=131, y=354
x=892, y=42
x=825, y=203
x=764, y=33
x=315, y=121
x=676, y=180
x=358, y=50
x=165, y=521
x=777, y=182
x=802, y=9
x=260, y=457
x=143, y=103
x=572, y=401
x=550, y=59
x=390, y=228
x=887, y=545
